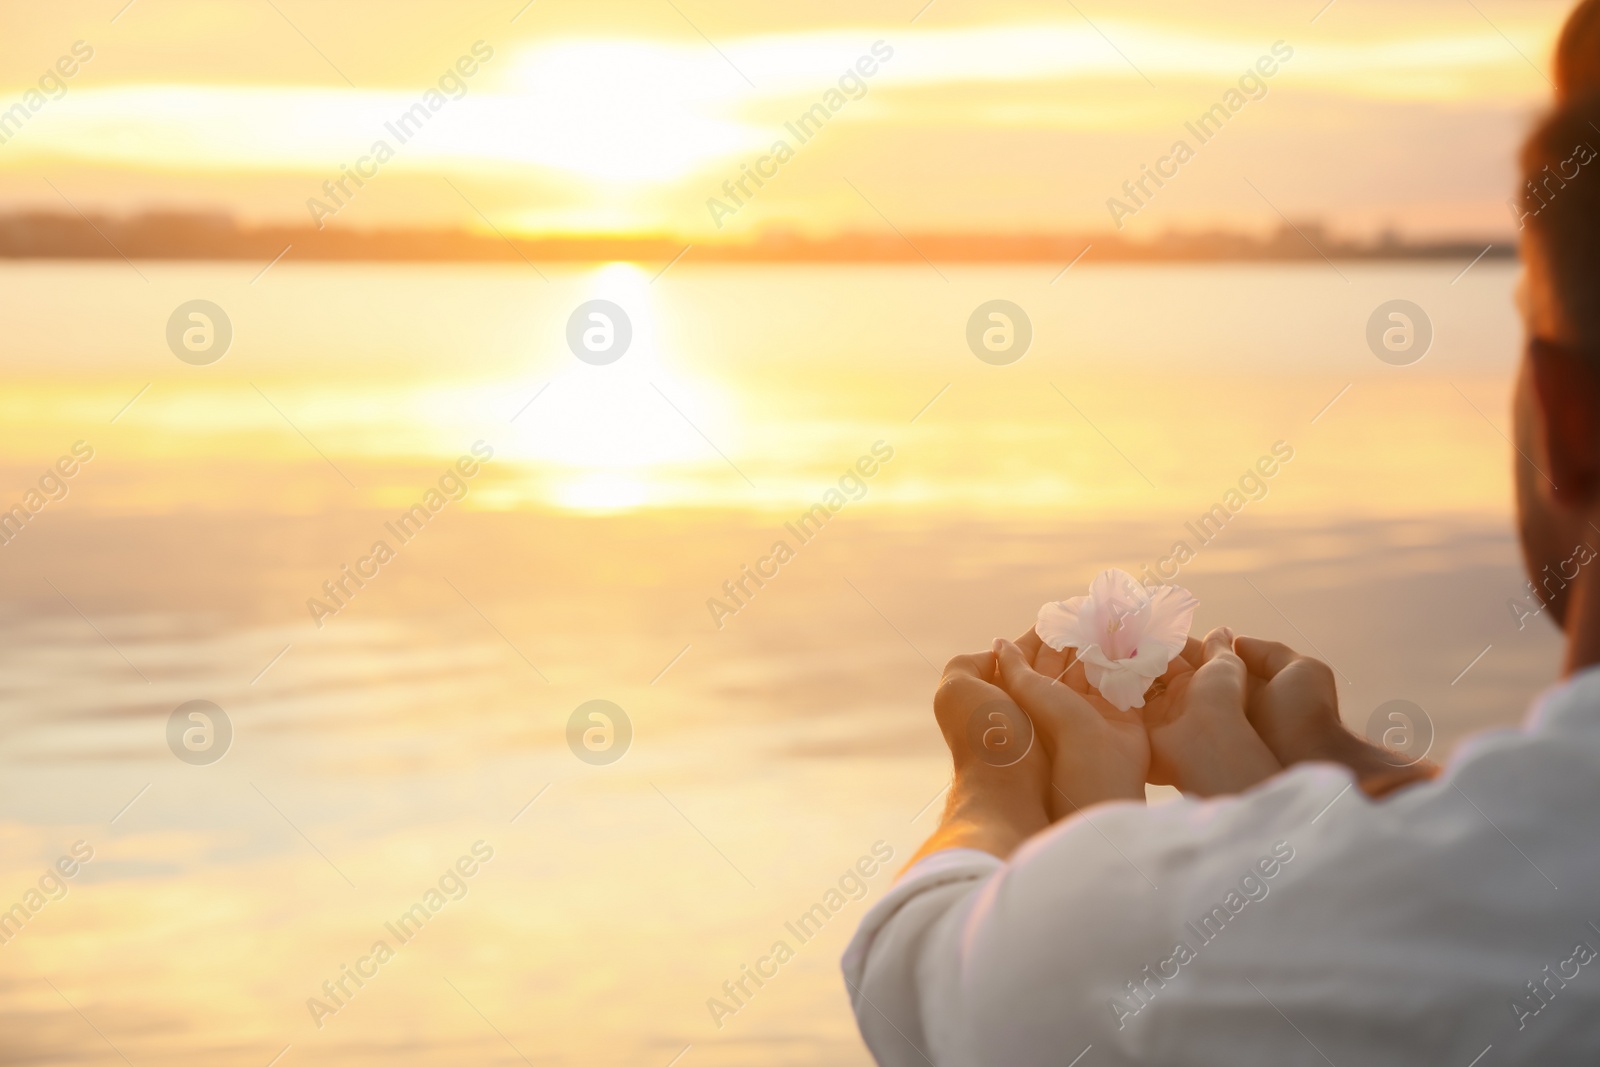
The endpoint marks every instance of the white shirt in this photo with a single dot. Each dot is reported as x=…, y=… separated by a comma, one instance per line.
x=1299, y=923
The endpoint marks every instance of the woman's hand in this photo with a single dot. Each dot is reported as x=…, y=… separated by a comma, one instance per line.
x=1201, y=739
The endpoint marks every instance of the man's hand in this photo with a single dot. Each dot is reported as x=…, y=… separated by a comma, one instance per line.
x=1200, y=738
x=1096, y=752
x=1001, y=773
x=1294, y=706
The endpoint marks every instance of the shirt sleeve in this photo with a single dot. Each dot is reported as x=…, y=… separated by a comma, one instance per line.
x=1073, y=941
x=897, y=965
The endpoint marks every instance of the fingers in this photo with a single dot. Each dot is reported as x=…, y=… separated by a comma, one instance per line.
x=1051, y=704
x=1045, y=660
x=1027, y=686
x=1220, y=666
x=1191, y=651
x=1217, y=690
x=968, y=683
x=1264, y=658
x=1179, y=666
x=1053, y=663
x=1218, y=642
x=979, y=665
x=1076, y=678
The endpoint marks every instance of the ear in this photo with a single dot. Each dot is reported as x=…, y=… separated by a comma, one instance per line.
x=1567, y=391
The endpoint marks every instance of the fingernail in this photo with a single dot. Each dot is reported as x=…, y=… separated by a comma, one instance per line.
x=997, y=643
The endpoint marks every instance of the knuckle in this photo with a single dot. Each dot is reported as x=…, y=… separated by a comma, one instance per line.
x=1231, y=660
x=1312, y=670
x=956, y=691
x=966, y=663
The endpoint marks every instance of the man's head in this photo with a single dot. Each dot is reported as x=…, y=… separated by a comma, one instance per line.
x=1578, y=52
x=1557, y=405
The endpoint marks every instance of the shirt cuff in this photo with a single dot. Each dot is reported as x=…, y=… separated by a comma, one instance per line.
x=936, y=869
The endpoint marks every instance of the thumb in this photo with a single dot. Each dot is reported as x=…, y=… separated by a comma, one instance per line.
x=1264, y=658
x=1220, y=666
x=1218, y=642
x=1036, y=694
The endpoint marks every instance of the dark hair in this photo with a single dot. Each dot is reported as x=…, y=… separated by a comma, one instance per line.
x=1560, y=204
x=1578, y=52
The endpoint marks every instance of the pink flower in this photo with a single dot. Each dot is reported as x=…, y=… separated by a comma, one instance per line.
x=1125, y=633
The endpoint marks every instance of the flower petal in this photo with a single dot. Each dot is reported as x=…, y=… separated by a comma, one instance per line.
x=1119, y=601
x=1126, y=633
x=1096, y=656
x=1066, y=623
x=1151, y=660
x=1117, y=591
x=1122, y=686
x=1168, y=618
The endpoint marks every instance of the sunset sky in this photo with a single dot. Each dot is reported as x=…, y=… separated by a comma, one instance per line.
x=628, y=115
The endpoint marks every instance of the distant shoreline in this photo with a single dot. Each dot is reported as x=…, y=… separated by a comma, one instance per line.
x=202, y=237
